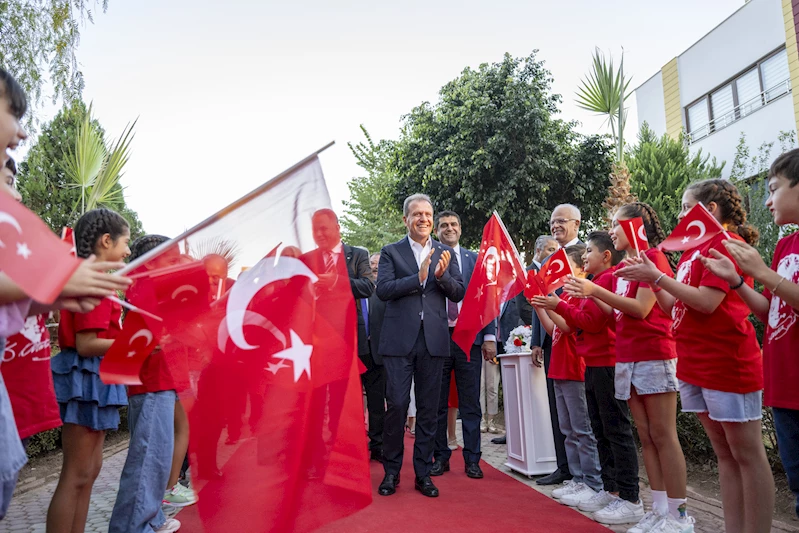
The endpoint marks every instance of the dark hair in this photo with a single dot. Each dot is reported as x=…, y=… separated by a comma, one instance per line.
x=10, y=165
x=602, y=240
x=575, y=252
x=11, y=90
x=654, y=231
x=144, y=244
x=730, y=202
x=786, y=166
x=93, y=225
x=447, y=213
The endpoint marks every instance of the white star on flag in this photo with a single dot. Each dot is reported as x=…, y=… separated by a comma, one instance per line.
x=273, y=368
x=299, y=354
x=23, y=250
x=685, y=239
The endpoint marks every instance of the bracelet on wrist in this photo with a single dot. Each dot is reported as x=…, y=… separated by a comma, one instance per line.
x=660, y=277
x=739, y=285
x=777, y=286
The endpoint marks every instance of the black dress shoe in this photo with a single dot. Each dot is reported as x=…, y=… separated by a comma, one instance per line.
x=376, y=455
x=499, y=440
x=389, y=485
x=426, y=487
x=439, y=467
x=473, y=471
x=555, y=478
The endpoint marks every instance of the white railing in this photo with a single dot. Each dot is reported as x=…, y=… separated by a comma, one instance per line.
x=740, y=111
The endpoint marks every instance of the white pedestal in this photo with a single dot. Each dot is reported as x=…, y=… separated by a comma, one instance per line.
x=531, y=446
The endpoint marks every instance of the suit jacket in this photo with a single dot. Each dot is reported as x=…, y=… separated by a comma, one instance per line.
x=377, y=310
x=406, y=299
x=509, y=319
x=361, y=285
x=469, y=259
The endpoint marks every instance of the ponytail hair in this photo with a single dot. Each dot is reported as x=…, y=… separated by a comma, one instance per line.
x=144, y=244
x=93, y=225
x=730, y=203
x=654, y=231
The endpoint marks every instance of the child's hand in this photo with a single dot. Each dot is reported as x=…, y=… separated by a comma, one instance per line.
x=579, y=287
x=747, y=258
x=546, y=302
x=92, y=279
x=77, y=305
x=639, y=269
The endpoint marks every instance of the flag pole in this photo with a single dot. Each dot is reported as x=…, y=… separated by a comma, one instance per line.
x=158, y=250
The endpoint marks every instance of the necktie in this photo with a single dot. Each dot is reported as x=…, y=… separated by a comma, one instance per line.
x=330, y=262
x=452, y=311
x=365, y=313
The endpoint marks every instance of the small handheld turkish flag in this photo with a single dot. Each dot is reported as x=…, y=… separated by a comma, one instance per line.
x=30, y=254
x=122, y=362
x=696, y=228
x=535, y=285
x=555, y=272
x=636, y=233
x=68, y=236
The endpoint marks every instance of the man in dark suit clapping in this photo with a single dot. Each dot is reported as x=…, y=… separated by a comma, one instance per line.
x=415, y=278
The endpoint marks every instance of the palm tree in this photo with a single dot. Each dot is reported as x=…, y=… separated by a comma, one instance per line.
x=95, y=169
x=604, y=91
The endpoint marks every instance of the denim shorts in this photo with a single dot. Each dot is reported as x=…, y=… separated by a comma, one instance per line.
x=648, y=377
x=721, y=406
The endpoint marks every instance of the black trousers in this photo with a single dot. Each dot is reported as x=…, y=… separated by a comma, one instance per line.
x=560, y=439
x=467, y=381
x=426, y=373
x=610, y=421
x=374, y=383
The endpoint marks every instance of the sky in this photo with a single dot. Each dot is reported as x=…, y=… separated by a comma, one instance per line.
x=229, y=94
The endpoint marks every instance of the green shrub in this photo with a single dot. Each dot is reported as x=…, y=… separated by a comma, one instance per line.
x=44, y=442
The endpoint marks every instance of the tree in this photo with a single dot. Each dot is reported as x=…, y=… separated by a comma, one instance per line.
x=38, y=39
x=43, y=181
x=661, y=168
x=492, y=142
x=373, y=218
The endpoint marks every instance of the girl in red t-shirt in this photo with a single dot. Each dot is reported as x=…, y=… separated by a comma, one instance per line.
x=720, y=365
x=646, y=368
x=778, y=307
x=88, y=406
x=567, y=371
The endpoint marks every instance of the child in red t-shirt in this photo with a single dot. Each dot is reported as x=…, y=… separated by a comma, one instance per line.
x=567, y=371
x=151, y=456
x=720, y=365
x=646, y=368
x=610, y=418
x=778, y=307
x=88, y=406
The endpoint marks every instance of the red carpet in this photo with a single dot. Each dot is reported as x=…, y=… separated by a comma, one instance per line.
x=496, y=503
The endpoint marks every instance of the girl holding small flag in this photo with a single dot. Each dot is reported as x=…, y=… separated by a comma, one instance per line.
x=720, y=367
x=646, y=365
x=777, y=307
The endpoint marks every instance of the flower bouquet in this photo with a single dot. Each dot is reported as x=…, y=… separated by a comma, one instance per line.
x=519, y=340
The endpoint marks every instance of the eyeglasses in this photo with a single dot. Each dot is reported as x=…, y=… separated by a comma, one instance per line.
x=562, y=221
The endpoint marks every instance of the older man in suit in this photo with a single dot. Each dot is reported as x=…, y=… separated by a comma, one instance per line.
x=416, y=276
x=466, y=368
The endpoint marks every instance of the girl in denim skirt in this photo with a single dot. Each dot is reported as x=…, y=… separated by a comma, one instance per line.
x=88, y=406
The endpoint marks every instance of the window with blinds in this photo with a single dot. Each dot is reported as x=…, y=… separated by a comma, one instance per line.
x=745, y=94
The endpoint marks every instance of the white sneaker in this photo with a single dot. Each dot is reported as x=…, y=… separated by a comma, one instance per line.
x=669, y=524
x=566, y=488
x=647, y=523
x=599, y=501
x=620, y=512
x=581, y=493
x=170, y=526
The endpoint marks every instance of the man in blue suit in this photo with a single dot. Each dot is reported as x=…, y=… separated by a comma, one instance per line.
x=467, y=369
x=415, y=278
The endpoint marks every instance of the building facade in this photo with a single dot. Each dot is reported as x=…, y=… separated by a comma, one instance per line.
x=736, y=79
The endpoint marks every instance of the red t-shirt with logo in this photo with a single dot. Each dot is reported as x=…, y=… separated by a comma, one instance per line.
x=596, y=336
x=103, y=319
x=650, y=338
x=565, y=363
x=716, y=351
x=26, y=372
x=781, y=341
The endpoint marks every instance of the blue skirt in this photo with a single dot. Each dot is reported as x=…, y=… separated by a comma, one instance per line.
x=82, y=397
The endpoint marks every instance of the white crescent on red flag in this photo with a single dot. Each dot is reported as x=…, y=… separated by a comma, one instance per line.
x=636, y=233
x=696, y=228
x=123, y=361
x=30, y=254
x=555, y=272
x=498, y=276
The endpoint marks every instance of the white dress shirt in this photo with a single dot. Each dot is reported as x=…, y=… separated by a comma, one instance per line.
x=572, y=242
x=420, y=253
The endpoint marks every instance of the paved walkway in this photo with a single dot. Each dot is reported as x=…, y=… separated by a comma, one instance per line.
x=28, y=509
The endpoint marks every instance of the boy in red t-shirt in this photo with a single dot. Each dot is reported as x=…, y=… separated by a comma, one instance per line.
x=596, y=344
x=778, y=307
